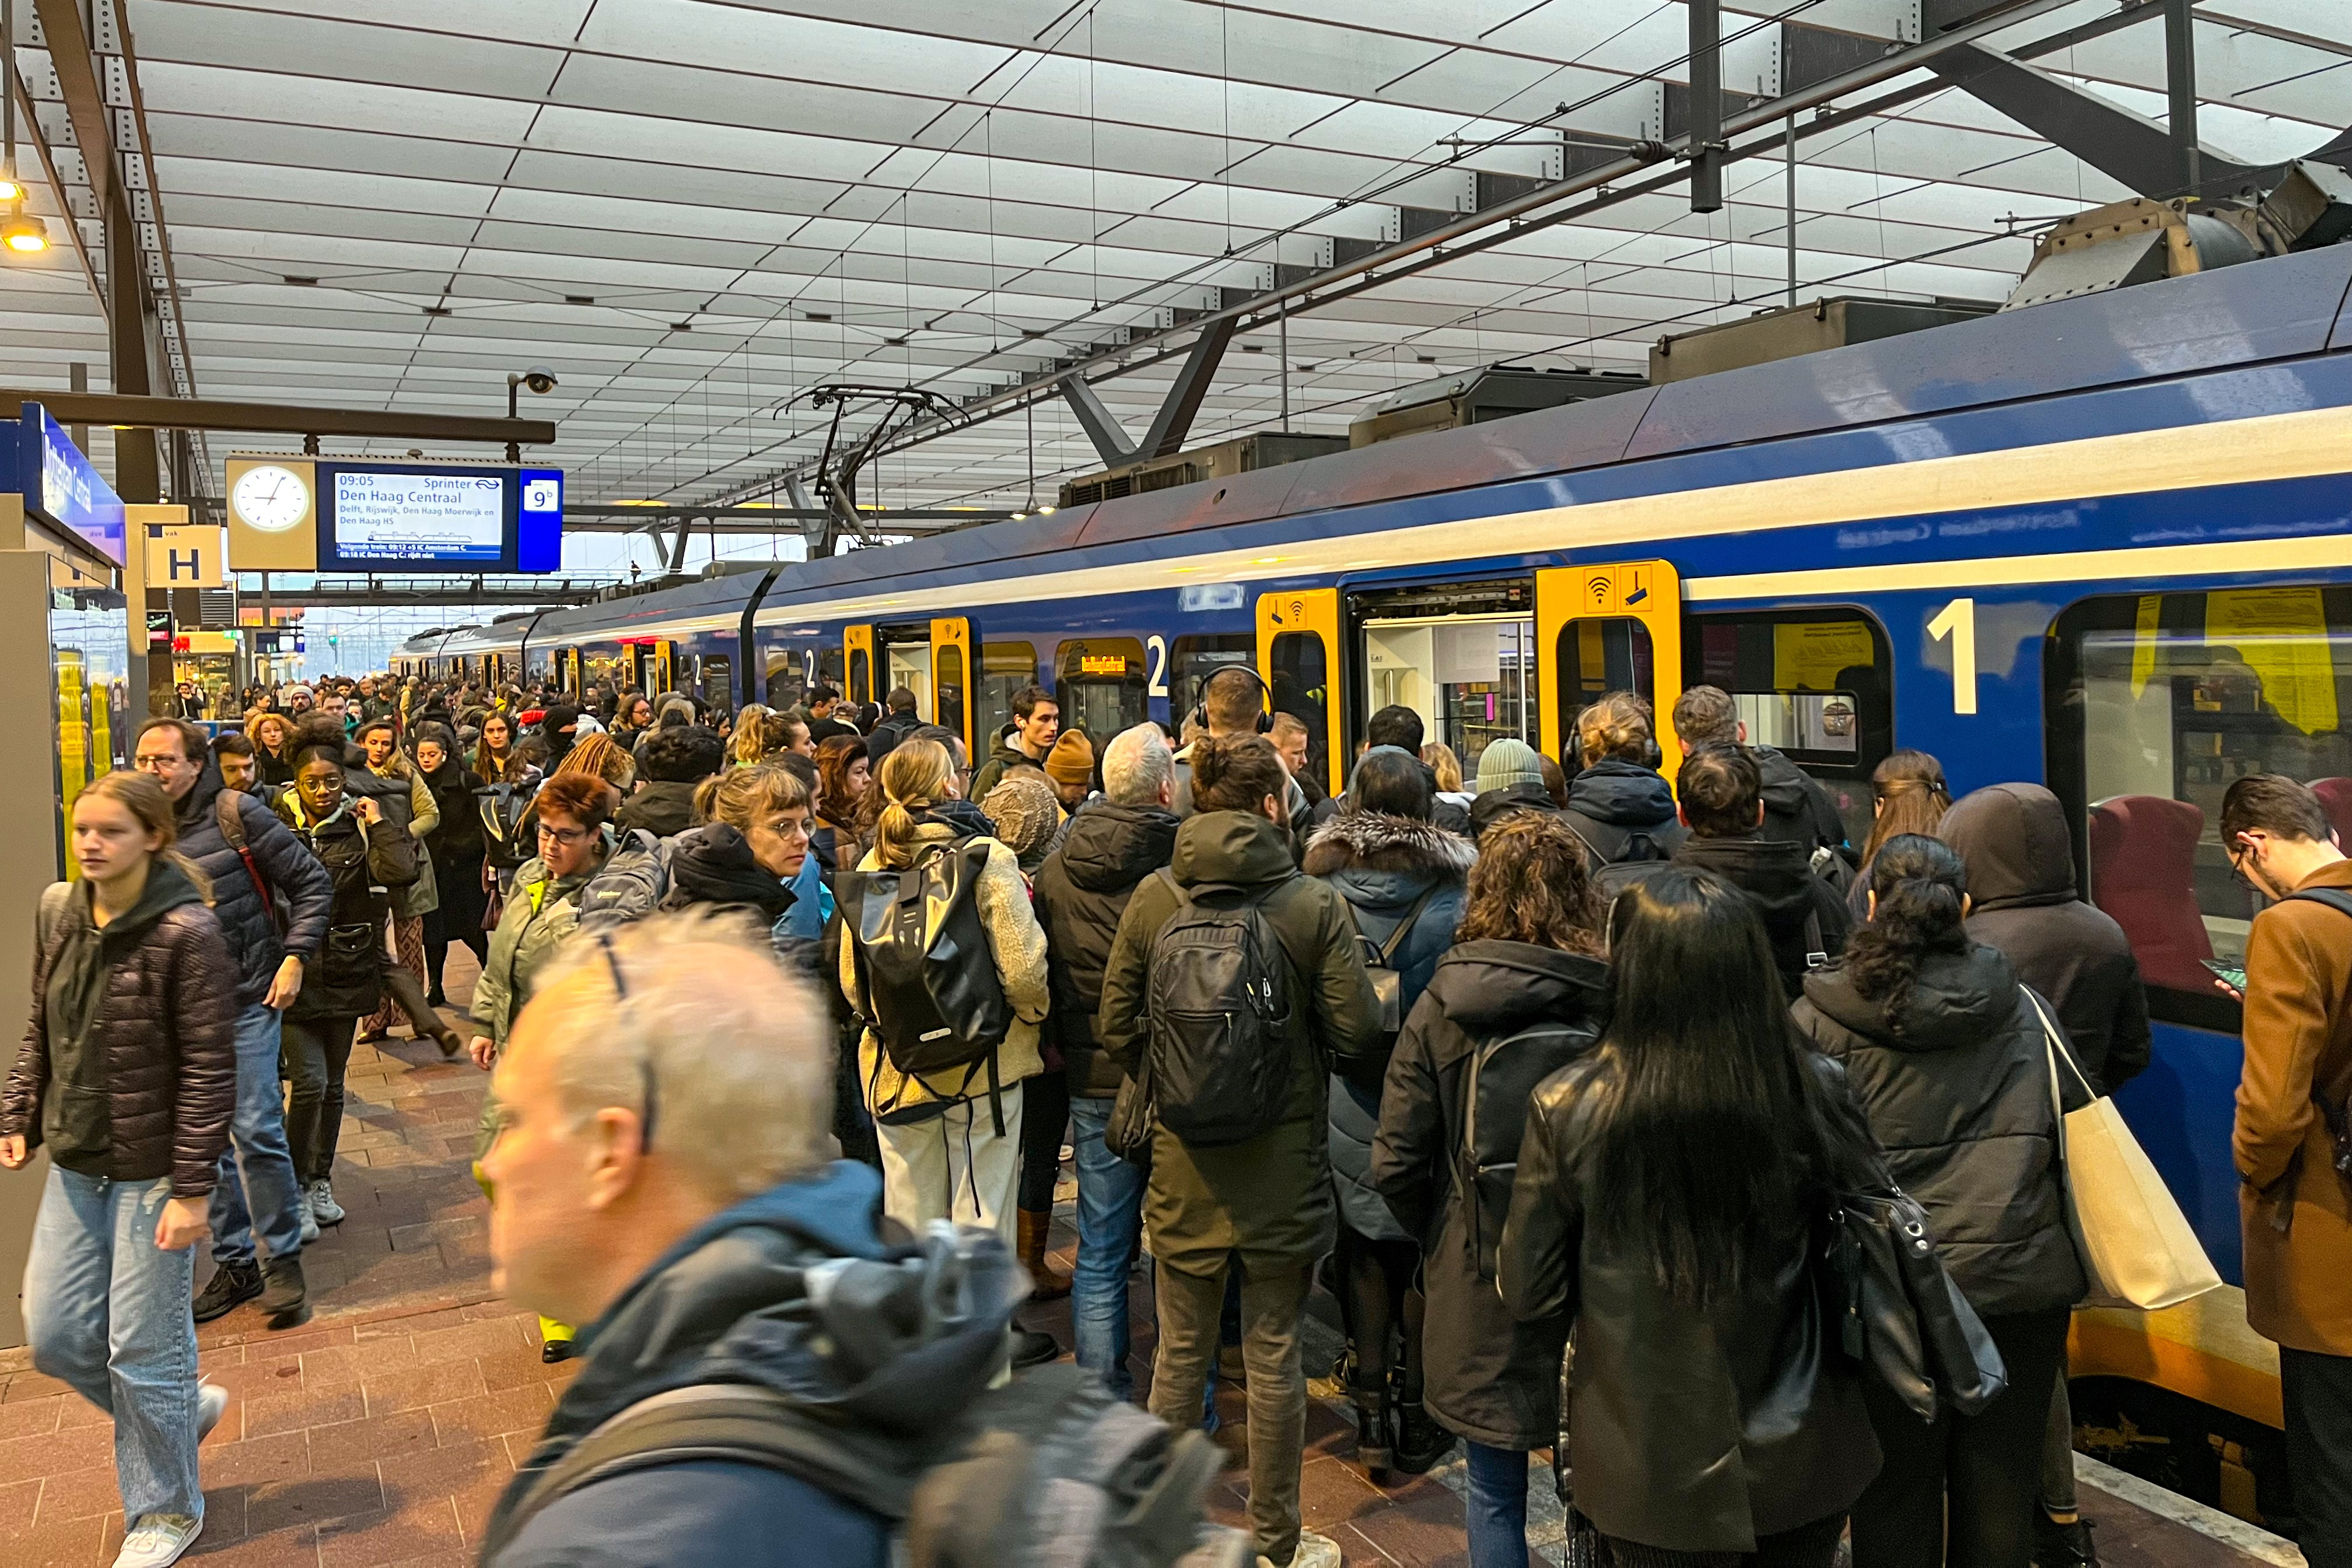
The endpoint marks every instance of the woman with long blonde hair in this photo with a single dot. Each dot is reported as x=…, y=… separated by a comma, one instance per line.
x=950, y=1140
x=272, y=735
x=127, y=1077
x=743, y=745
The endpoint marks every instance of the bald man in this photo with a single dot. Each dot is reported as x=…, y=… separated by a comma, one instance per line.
x=663, y=1172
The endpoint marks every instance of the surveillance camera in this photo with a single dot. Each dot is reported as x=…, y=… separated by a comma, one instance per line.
x=539, y=378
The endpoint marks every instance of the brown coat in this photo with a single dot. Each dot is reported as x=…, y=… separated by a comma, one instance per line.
x=166, y=1027
x=2297, y=1212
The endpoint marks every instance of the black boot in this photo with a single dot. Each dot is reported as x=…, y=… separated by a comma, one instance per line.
x=231, y=1285
x=1420, y=1442
x=2067, y=1545
x=1031, y=1348
x=284, y=1296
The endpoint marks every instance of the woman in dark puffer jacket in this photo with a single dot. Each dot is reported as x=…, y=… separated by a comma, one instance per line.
x=1528, y=954
x=128, y=1076
x=1950, y=1066
x=1393, y=866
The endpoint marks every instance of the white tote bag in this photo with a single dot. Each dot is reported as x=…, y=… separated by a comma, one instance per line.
x=2134, y=1243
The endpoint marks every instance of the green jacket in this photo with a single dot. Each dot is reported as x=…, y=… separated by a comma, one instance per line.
x=539, y=913
x=1269, y=1198
x=1005, y=753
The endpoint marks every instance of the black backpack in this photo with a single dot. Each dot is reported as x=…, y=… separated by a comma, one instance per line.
x=927, y=978
x=1218, y=1006
x=1498, y=1079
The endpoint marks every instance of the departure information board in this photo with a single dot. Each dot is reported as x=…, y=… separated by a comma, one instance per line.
x=381, y=517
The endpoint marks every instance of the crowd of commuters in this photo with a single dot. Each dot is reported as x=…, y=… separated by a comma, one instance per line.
x=1548, y=1075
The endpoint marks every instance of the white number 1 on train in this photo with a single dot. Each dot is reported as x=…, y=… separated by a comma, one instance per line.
x=1958, y=622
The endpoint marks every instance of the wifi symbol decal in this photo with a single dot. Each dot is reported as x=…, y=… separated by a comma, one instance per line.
x=1598, y=588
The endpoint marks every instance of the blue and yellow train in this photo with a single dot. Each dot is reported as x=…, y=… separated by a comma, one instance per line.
x=2101, y=543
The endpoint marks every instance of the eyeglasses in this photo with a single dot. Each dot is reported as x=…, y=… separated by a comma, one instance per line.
x=563, y=835
x=157, y=764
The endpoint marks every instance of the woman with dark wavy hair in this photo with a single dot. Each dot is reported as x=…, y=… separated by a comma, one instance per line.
x=1948, y=1058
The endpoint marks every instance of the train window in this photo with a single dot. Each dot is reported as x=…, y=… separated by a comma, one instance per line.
x=1814, y=683
x=947, y=659
x=785, y=682
x=1100, y=683
x=1300, y=682
x=1004, y=668
x=715, y=682
x=831, y=670
x=1192, y=660
x=909, y=664
x=2155, y=703
x=861, y=688
x=1473, y=679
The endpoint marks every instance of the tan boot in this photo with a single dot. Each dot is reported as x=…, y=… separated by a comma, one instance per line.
x=1048, y=1286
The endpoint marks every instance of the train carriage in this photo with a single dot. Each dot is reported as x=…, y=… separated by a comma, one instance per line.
x=2099, y=544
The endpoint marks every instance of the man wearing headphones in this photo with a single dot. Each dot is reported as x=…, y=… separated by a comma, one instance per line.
x=1234, y=702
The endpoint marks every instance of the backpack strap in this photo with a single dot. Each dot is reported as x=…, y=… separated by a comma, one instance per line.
x=1817, y=947
x=2337, y=899
x=232, y=832
x=705, y=1422
x=1387, y=950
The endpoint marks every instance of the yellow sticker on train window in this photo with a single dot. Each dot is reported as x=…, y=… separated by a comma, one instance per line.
x=2282, y=636
x=1810, y=656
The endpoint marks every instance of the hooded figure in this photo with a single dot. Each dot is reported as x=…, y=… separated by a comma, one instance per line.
x=2021, y=862
x=1799, y=910
x=1613, y=806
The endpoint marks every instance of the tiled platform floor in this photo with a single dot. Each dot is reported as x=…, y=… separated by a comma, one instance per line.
x=381, y=1432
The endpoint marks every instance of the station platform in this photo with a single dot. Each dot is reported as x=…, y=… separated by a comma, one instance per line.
x=381, y=1432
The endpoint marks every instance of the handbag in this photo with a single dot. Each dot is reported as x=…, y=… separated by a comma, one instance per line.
x=2136, y=1245
x=1134, y=1117
x=1897, y=1311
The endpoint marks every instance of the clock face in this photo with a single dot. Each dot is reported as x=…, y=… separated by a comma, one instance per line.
x=271, y=499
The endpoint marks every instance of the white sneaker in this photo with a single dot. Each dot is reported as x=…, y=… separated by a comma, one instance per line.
x=309, y=1221
x=159, y=1540
x=212, y=1399
x=1314, y=1551
x=323, y=1206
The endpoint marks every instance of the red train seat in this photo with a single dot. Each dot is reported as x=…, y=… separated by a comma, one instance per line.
x=2335, y=799
x=2143, y=873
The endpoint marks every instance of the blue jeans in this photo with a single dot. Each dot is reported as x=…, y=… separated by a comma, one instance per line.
x=256, y=1187
x=108, y=1311
x=1497, y=1506
x=1111, y=1231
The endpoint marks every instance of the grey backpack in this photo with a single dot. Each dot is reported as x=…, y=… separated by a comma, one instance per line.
x=1218, y=1005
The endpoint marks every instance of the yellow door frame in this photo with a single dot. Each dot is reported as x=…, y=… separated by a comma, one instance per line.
x=856, y=640
x=1315, y=611
x=954, y=632
x=664, y=682
x=1649, y=592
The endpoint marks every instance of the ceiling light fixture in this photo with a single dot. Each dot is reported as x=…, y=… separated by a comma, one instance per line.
x=22, y=233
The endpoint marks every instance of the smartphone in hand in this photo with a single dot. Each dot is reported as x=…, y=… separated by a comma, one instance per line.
x=2229, y=975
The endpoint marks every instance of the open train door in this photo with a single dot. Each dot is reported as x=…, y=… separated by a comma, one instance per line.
x=857, y=664
x=1299, y=655
x=952, y=681
x=1611, y=627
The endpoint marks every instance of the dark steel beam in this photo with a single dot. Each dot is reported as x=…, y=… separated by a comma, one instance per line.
x=1102, y=428
x=370, y=593
x=1705, y=105
x=891, y=523
x=274, y=418
x=788, y=515
x=677, y=545
x=1174, y=420
x=2124, y=146
x=2181, y=89
x=68, y=41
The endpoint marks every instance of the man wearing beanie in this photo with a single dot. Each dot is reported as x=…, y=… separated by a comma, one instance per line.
x=1510, y=778
x=1070, y=766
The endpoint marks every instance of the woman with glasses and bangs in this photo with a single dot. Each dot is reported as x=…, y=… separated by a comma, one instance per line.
x=570, y=816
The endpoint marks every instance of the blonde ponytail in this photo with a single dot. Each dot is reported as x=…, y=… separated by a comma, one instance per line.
x=914, y=778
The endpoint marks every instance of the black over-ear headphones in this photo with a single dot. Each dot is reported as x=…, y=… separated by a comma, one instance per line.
x=1265, y=715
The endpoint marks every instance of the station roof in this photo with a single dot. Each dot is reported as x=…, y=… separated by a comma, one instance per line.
x=693, y=211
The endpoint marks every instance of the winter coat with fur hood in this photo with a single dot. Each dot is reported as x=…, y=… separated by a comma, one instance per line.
x=1389, y=869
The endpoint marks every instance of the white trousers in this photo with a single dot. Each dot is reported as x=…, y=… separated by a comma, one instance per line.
x=956, y=1167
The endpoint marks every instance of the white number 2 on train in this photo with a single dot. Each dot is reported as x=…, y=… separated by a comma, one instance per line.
x=1958, y=622
x=1157, y=684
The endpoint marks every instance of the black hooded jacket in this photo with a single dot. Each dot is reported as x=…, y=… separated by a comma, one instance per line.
x=1613, y=805
x=792, y=1292
x=2020, y=864
x=1778, y=873
x=1081, y=891
x=1486, y=1376
x=713, y=863
x=1796, y=807
x=1491, y=805
x=664, y=808
x=1955, y=1082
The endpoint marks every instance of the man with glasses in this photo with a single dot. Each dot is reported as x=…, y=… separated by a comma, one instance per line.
x=2293, y=1145
x=263, y=881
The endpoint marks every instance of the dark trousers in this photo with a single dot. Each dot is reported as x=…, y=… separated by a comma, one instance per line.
x=315, y=1054
x=2318, y=1392
x=1382, y=1313
x=1273, y=1303
x=1988, y=1465
x=1811, y=1545
x=436, y=953
x=1044, y=1118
